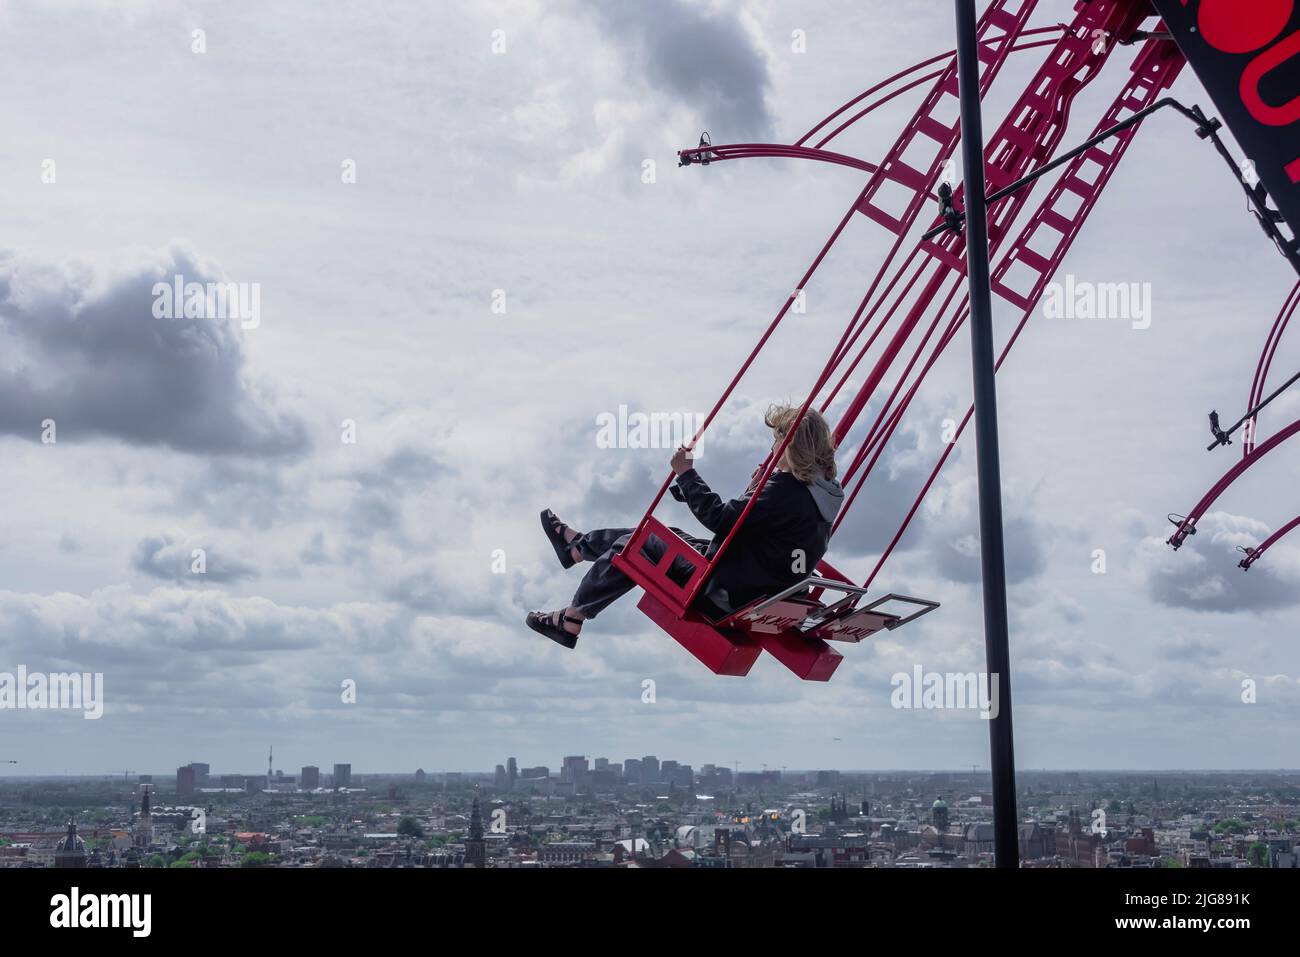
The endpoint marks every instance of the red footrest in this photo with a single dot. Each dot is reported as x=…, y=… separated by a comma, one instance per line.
x=723, y=653
x=809, y=658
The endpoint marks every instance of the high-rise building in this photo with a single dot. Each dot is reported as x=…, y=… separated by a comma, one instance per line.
x=649, y=769
x=310, y=778
x=632, y=771
x=342, y=776
x=601, y=764
x=420, y=776
x=499, y=777
x=185, y=781
x=512, y=771
x=202, y=774
x=574, y=770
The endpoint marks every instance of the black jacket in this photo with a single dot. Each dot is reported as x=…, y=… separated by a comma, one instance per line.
x=780, y=542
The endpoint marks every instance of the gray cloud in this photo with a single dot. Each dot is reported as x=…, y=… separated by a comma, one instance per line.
x=704, y=58
x=1203, y=574
x=952, y=537
x=169, y=556
x=85, y=350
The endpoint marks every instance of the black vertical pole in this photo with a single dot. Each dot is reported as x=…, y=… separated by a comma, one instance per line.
x=996, y=650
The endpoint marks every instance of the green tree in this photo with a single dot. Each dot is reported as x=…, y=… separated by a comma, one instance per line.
x=255, y=859
x=1258, y=854
x=410, y=827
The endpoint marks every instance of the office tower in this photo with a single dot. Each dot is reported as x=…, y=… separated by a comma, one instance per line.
x=574, y=770
x=185, y=781
x=342, y=776
x=202, y=773
x=310, y=778
x=512, y=771
x=499, y=777
x=649, y=769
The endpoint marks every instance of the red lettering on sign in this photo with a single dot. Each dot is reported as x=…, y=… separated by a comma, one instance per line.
x=1268, y=60
x=1229, y=28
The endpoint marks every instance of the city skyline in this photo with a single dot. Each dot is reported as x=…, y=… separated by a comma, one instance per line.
x=595, y=817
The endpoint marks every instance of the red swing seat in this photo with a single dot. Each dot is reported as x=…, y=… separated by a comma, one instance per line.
x=793, y=626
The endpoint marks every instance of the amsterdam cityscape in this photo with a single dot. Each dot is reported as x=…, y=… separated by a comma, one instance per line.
x=644, y=812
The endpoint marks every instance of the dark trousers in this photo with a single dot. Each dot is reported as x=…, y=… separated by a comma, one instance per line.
x=604, y=584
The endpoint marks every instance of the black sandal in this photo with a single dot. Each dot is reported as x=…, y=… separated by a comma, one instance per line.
x=554, y=530
x=543, y=622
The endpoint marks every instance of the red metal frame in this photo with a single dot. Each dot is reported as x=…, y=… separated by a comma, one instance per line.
x=1187, y=525
x=1266, y=362
x=1255, y=554
x=1054, y=228
x=932, y=273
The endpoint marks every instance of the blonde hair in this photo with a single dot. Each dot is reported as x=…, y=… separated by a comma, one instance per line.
x=811, y=453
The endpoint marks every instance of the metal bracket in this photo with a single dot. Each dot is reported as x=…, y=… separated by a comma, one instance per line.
x=812, y=581
x=927, y=607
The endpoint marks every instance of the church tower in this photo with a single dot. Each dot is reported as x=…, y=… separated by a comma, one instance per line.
x=142, y=835
x=475, y=845
x=71, y=851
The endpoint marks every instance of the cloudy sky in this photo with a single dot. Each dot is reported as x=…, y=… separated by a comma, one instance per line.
x=501, y=274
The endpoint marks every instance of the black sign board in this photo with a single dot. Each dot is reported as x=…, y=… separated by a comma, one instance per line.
x=1247, y=54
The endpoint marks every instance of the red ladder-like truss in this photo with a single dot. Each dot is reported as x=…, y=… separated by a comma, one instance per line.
x=915, y=305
